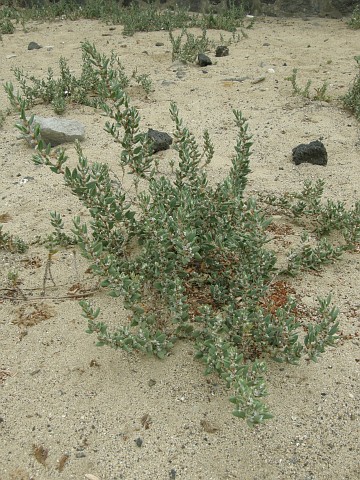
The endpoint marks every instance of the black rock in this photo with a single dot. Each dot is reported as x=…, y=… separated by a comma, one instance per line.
x=204, y=60
x=160, y=140
x=221, y=51
x=138, y=441
x=159, y=44
x=34, y=46
x=313, y=152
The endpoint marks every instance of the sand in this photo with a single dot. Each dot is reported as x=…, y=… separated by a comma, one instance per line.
x=69, y=409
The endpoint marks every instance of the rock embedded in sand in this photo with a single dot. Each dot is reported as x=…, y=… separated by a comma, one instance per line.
x=221, y=51
x=204, y=60
x=55, y=130
x=160, y=140
x=313, y=152
x=34, y=46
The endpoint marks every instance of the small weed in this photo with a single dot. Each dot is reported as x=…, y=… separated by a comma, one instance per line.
x=12, y=243
x=188, y=50
x=230, y=19
x=354, y=21
x=144, y=80
x=352, y=99
x=89, y=89
x=320, y=92
x=6, y=26
x=3, y=115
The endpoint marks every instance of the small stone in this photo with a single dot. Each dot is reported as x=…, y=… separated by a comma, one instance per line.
x=266, y=44
x=221, y=51
x=204, y=60
x=159, y=44
x=34, y=46
x=80, y=455
x=139, y=442
x=258, y=80
x=172, y=474
x=11, y=56
x=313, y=152
x=151, y=382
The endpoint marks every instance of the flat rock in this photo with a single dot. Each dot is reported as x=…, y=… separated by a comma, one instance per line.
x=56, y=130
x=313, y=152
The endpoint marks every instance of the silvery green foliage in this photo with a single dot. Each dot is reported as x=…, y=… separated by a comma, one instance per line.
x=189, y=258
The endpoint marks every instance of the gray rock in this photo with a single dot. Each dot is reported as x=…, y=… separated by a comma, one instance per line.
x=55, y=130
x=313, y=152
x=221, y=51
x=34, y=46
x=160, y=140
x=204, y=60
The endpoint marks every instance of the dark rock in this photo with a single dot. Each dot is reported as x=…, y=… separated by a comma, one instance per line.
x=80, y=455
x=204, y=60
x=160, y=140
x=34, y=46
x=159, y=44
x=313, y=152
x=55, y=130
x=221, y=51
x=139, y=442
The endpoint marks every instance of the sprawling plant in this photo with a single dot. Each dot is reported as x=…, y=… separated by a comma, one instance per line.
x=190, y=259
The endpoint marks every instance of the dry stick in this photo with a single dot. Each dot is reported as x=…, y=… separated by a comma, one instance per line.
x=48, y=273
x=64, y=297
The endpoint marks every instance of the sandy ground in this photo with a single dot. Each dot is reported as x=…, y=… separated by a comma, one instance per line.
x=91, y=408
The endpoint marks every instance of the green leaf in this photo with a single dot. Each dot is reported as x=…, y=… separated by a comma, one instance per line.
x=239, y=414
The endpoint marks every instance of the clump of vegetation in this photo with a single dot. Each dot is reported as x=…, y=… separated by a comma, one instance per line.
x=354, y=21
x=229, y=19
x=190, y=259
x=89, y=89
x=323, y=219
x=352, y=99
x=320, y=92
x=12, y=243
x=6, y=26
x=188, y=50
x=134, y=18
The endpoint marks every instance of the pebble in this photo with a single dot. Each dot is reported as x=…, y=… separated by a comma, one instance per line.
x=11, y=56
x=258, y=80
x=138, y=441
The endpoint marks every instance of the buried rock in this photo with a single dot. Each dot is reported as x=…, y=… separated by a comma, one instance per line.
x=55, y=130
x=313, y=152
x=159, y=140
x=221, y=51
